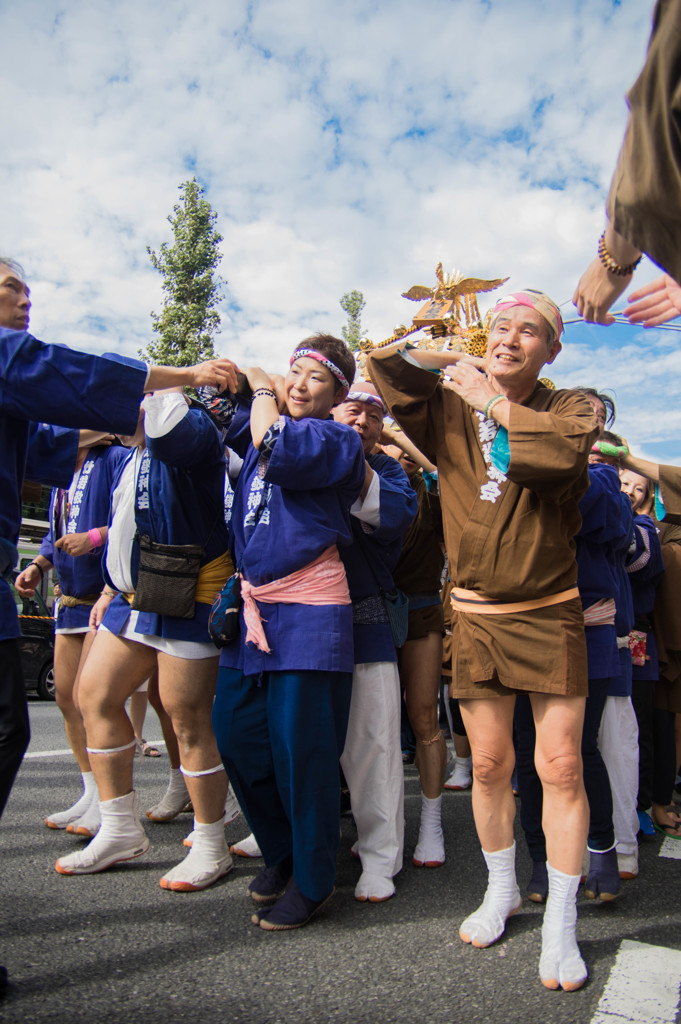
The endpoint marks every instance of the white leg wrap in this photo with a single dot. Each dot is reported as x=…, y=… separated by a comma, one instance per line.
x=561, y=964
x=208, y=860
x=501, y=900
x=173, y=801
x=120, y=837
x=430, y=849
x=112, y=750
x=62, y=819
x=206, y=771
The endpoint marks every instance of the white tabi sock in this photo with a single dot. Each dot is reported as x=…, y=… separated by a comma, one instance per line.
x=89, y=822
x=120, y=837
x=501, y=900
x=561, y=964
x=63, y=818
x=174, y=799
x=374, y=888
x=430, y=849
x=208, y=860
x=247, y=847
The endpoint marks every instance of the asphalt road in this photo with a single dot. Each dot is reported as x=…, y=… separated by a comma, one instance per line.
x=116, y=947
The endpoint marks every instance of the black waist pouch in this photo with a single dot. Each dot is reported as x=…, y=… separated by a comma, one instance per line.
x=166, y=582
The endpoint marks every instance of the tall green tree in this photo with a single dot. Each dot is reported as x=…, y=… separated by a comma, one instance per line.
x=189, y=320
x=353, y=304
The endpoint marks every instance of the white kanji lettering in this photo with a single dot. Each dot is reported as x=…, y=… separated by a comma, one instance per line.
x=488, y=430
x=490, y=491
x=495, y=474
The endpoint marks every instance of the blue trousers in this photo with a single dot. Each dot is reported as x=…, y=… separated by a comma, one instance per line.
x=280, y=736
x=596, y=780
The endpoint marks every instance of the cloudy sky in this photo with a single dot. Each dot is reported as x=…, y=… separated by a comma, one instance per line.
x=349, y=144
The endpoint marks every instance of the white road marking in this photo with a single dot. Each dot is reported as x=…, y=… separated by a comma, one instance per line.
x=643, y=986
x=671, y=848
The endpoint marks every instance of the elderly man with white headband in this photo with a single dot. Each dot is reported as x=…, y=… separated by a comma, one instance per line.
x=512, y=458
x=372, y=758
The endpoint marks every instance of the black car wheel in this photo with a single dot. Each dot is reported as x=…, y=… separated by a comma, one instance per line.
x=45, y=685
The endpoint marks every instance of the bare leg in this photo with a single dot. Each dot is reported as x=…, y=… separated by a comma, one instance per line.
x=186, y=689
x=558, y=722
x=68, y=648
x=138, y=712
x=166, y=722
x=70, y=653
x=115, y=668
x=489, y=726
x=420, y=666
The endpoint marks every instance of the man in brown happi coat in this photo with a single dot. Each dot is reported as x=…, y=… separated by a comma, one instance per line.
x=512, y=462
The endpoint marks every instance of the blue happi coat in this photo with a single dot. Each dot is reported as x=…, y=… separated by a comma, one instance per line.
x=602, y=543
x=185, y=494
x=51, y=383
x=289, y=506
x=372, y=557
x=82, y=576
x=645, y=567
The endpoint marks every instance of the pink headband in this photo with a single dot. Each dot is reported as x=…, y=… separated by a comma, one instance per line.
x=313, y=354
x=366, y=396
x=535, y=300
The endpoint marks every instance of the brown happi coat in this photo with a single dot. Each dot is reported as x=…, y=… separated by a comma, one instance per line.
x=509, y=538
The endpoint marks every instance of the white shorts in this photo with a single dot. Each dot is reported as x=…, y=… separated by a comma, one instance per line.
x=192, y=650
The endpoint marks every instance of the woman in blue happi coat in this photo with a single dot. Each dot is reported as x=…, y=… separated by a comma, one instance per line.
x=283, y=696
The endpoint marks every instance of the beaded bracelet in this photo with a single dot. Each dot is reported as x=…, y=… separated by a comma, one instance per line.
x=40, y=570
x=492, y=402
x=264, y=391
x=611, y=264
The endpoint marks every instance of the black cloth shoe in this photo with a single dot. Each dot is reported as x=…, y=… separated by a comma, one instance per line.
x=603, y=881
x=271, y=883
x=538, y=886
x=293, y=910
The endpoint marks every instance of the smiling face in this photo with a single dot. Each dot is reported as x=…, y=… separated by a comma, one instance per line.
x=14, y=300
x=638, y=490
x=364, y=417
x=518, y=347
x=311, y=390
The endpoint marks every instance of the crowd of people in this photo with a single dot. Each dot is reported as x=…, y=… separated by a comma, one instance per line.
x=290, y=578
x=328, y=553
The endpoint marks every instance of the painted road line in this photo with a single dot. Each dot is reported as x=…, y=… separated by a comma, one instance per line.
x=64, y=753
x=643, y=986
x=671, y=848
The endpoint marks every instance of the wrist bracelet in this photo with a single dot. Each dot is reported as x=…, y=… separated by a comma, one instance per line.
x=611, y=264
x=264, y=391
x=96, y=538
x=40, y=570
x=492, y=402
x=108, y=593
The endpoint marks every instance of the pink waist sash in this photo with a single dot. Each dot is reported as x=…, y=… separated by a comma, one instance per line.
x=321, y=582
x=601, y=613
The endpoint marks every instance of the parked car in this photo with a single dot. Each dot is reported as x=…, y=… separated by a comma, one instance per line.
x=36, y=644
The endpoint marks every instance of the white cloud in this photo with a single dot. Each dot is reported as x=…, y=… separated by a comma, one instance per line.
x=343, y=146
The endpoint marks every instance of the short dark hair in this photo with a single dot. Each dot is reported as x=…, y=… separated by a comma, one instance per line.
x=604, y=397
x=610, y=438
x=335, y=350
